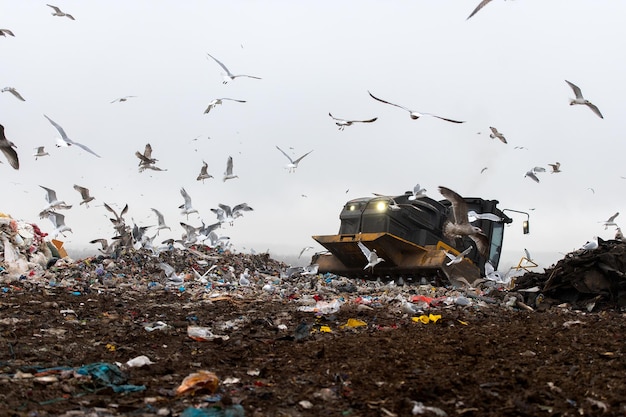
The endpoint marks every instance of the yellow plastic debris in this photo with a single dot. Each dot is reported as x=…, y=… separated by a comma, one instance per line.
x=426, y=318
x=59, y=245
x=325, y=329
x=354, y=323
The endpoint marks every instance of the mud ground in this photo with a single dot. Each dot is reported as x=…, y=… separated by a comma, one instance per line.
x=277, y=361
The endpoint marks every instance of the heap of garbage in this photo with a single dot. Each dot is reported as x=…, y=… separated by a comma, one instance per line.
x=582, y=279
x=24, y=247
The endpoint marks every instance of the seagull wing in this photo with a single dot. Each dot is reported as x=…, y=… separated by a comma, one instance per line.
x=577, y=91
x=220, y=64
x=84, y=192
x=459, y=207
x=482, y=243
x=366, y=252
x=51, y=196
x=334, y=118
x=595, y=109
x=80, y=145
x=186, y=197
x=160, y=218
x=285, y=153
x=58, y=128
x=56, y=9
x=234, y=99
x=386, y=102
x=480, y=6
x=612, y=218
x=444, y=118
x=300, y=159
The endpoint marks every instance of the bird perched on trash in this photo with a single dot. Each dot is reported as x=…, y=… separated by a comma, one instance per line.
x=342, y=123
x=84, y=193
x=14, y=92
x=461, y=226
x=495, y=134
x=229, y=76
x=65, y=140
x=581, y=100
x=619, y=235
x=610, y=221
x=293, y=163
x=218, y=101
x=414, y=114
x=58, y=12
x=6, y=146
x=455, y=259
x=591, y=244
x=203, y=172
x=370, y=255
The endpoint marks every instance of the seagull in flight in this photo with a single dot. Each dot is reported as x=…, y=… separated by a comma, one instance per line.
x=581, y=100
x=146, y=158
x=370, y=255
x=5, y=32
x=203, y=172
x=293, y=163
x=455, y=259
x=418, y=192
x=84, y=193
x=161, y=221
x=6, y=146
x=228, y=174
x=306, y=248
x=58, y=221
x=473, y=216
x=342, y=123
x=40, y=152
x=495, y=134
x=53, y=201
x=556, y=167
x=66, y=140
x=229, y=75
x=122, y=99
x=218, y=101
x=186, y=207
x=610, y=221
x=461, y=225
x=58, y=12
x=414, y=114
x=13, y=91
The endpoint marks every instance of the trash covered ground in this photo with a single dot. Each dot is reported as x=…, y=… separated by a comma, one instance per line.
x=222, y=334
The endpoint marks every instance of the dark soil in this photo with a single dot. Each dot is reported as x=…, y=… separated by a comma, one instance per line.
x=474, y=361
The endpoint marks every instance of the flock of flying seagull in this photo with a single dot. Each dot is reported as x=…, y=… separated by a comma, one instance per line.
x=136, y=236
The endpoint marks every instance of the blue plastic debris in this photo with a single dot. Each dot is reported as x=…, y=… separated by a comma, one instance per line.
x=230, y=411
x=109, y=375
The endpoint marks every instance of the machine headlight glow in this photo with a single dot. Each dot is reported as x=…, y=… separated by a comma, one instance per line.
x=381, y=206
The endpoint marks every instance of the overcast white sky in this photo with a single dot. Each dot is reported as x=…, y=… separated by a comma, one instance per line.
x=504, y=67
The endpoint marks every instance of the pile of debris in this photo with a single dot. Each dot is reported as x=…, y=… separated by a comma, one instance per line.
x=582, y=279
x=23, y=246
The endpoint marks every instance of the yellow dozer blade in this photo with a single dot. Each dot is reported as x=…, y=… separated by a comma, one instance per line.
x=401, y=258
